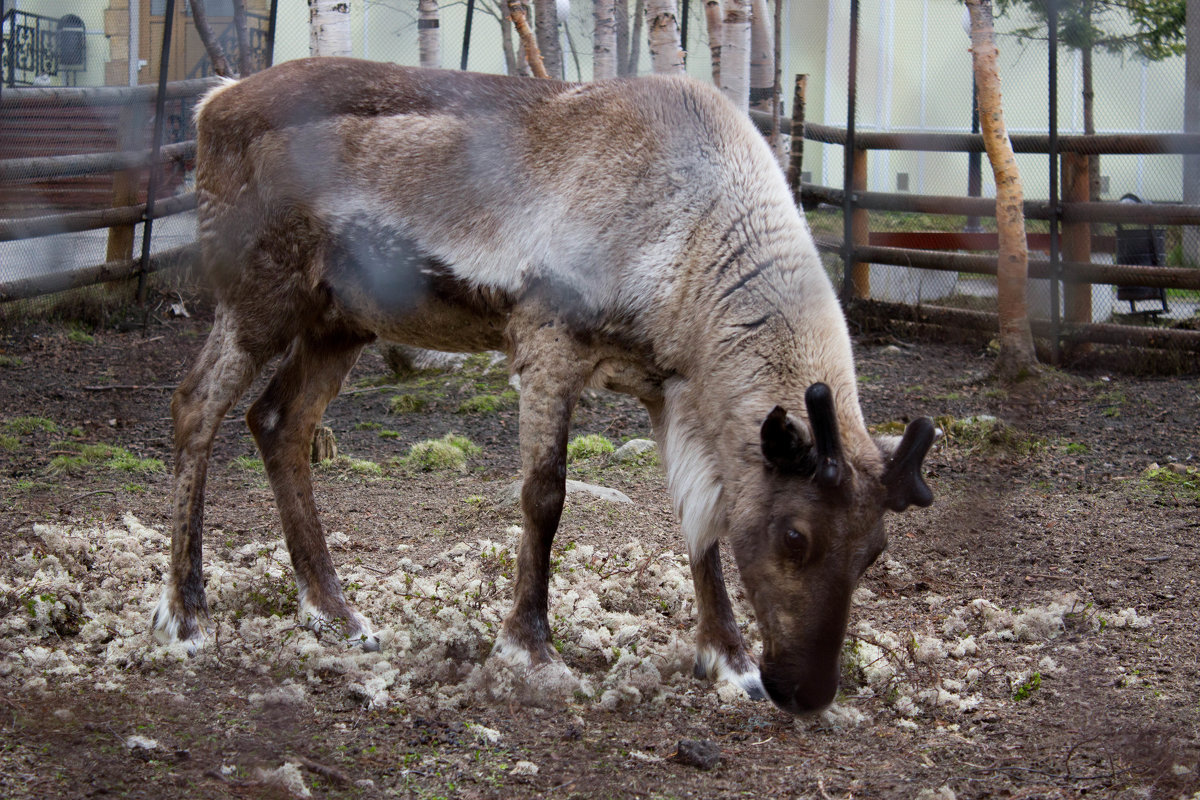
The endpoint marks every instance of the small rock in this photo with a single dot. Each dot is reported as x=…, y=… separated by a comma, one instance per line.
x=511, y=494
x=698, y=753
x=524, y=768
x=137, y=742
x=633, y=450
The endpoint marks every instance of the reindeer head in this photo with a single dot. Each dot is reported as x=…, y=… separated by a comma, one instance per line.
x=812, y=532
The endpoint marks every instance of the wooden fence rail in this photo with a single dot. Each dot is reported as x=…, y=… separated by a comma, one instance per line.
x=1074, y=212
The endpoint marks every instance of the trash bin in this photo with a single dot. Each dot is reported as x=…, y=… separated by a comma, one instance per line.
x=1141, y=247
x=72, y=43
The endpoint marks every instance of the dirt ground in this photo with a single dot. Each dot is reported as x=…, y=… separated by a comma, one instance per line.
x=1033, y=634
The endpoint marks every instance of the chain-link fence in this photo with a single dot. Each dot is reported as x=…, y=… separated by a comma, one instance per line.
x=913, y=76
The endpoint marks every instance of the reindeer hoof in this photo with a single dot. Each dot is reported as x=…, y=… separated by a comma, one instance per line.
x=169, y=627
x=350, y=625
x=711, y=665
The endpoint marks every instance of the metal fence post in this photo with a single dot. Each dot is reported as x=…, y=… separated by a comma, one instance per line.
x=1055, y=208
x=848, y=162
x=160, y=100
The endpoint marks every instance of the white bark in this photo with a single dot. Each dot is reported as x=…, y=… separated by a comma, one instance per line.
x=762, y=57
x=604, y=46
x=545, y=22
x=735, y=53
x=662, y=34
x=714, y=16
x=430, y=35
x=329, y=28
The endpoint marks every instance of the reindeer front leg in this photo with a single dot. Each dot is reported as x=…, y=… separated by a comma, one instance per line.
x=554, y=368
x=721, y=652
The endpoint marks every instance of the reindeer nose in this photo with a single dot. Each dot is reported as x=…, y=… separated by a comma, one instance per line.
x=803, y=692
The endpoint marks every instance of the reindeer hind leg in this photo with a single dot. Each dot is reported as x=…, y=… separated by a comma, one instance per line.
x=219, y=378
x=283, y=420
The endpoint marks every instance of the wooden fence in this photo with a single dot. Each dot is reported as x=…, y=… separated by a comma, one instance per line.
x=123, y=170
x=1074, y=269
x=1070, y=264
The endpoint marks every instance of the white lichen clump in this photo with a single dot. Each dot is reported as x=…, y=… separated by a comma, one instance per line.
x=86, y=594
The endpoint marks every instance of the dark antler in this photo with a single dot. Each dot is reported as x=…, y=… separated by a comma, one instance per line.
x=902, y=479
x=822, y=417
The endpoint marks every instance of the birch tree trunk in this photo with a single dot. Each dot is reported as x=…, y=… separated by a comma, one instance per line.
x=735, y=53
x=329, y=28
x=429, y=34
x=604, y=44
x=635, y=40
x=246, y=64
x=545, y=18
x=662, y=28
x=1017, y=356
x=511, y=65
x=621, y=17
x=762, y=57
x=714, y=16
x=216, y=54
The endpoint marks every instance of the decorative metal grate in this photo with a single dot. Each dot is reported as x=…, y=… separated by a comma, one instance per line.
x=28, y=47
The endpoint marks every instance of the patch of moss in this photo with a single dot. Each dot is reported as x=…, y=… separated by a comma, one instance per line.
x=589, y=446
x=9, y=443
x=893, y=428
x=84, y=456
x=250, y=463
x=436, y=455
x=1175, y=479
x=124, y=461
x=25, y=425
x=407, y=404
x=488, y=403
x=11, y=361
x=985, y=434
x=79, y=336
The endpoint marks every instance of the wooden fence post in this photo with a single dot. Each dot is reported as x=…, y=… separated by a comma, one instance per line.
x=860, y=272
x=1076, y=240
x=125, y=182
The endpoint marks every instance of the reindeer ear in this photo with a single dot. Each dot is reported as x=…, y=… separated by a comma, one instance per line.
x=902, y=478
x=784, y=444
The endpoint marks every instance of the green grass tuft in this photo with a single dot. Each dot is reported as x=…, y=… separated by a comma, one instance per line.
x=488, y=403
x=589, y=446
x=250, y=464
x=106, y=456
x=407, y=404
x=437, y=455
x=1175, y=479
x=25, y=425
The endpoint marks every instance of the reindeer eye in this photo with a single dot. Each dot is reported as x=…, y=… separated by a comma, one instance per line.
x=797, y=543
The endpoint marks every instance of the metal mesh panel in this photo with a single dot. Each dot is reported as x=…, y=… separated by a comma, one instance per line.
x=914, y=76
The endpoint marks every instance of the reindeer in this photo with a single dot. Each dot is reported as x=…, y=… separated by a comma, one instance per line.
x=631, y=234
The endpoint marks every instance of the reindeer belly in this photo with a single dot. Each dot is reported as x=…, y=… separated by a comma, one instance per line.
x=384, y=280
